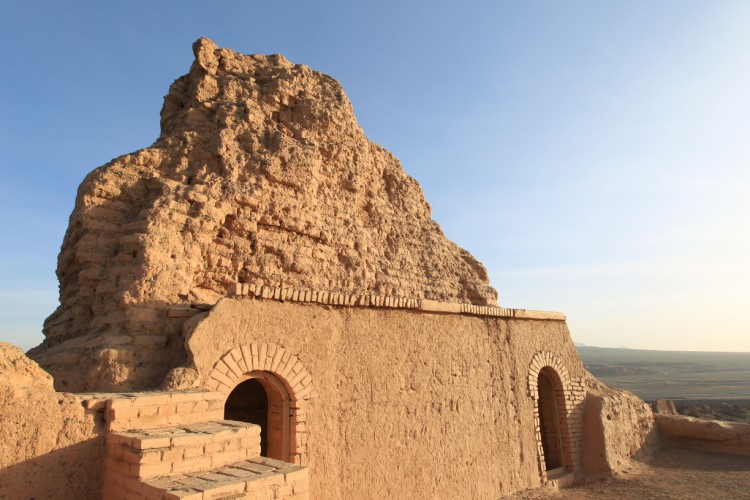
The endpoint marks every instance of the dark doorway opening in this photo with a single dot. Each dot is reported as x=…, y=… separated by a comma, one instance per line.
x=549, y=418
x=263, y=400
x=248, y=402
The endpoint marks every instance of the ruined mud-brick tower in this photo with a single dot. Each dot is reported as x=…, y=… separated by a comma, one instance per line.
x=263, y=263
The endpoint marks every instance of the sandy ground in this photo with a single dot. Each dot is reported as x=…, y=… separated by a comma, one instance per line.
x=670, y=473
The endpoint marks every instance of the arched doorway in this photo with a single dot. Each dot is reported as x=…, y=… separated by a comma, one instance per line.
x=550, y=392
x=262, y=399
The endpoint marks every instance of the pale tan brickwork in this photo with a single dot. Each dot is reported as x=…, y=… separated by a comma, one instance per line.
x=206, y=458
x=362, y=299
x=258, y=360
x=161, y=409
x=564, y=413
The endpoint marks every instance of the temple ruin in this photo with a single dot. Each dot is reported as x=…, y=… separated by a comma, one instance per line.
x=259, y=305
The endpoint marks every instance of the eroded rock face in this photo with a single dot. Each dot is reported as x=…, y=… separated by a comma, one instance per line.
x=261, y=174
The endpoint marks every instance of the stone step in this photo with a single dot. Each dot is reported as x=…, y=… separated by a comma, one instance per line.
x=256, y=478
x=147, y=453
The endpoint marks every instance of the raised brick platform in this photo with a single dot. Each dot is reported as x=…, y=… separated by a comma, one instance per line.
x=154, y=452
x=208, y=459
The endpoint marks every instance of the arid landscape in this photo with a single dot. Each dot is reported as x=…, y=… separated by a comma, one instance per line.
x=701, y=384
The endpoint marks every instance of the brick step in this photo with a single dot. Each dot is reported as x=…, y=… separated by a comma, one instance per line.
x=147, y=453
x=256, y=478
x=147, y=410
x=561, y=478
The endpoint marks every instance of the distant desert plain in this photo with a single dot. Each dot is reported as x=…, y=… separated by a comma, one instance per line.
x=702, y=384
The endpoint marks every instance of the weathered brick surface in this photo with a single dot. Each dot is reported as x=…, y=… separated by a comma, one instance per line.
x=364, y=299
x=148, y=410
x=206, y=460
x=156, y=452
x=245, y=479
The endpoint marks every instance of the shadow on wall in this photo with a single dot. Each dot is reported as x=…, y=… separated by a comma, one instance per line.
x=70, y=472
x=618, y=426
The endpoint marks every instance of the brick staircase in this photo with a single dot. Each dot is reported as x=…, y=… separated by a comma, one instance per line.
x=165, y=446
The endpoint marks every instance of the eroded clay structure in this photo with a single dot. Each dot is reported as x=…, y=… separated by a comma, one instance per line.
x=259, y=305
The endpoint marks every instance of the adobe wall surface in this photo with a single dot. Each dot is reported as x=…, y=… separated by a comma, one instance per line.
x=387, y=402
x=619, y=426
x=50, y=446
x=401, y=403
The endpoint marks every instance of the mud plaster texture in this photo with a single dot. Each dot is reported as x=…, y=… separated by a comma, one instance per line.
x=403, y=403
x=51, y=447
x=261, y=175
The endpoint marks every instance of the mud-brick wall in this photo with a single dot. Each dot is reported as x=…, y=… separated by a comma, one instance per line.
x=51, y=446
x=402, y=403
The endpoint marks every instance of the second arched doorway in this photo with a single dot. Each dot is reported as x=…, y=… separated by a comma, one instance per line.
x=263, y=399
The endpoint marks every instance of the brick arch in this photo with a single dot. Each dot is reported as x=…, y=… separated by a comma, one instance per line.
x=541, y=360
x=554, y=367
x=257, y=360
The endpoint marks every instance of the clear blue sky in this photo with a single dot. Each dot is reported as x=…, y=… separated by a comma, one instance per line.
x=593, y=155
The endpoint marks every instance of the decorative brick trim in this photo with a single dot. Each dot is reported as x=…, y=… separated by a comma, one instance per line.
x=251, y=361
x=541, y=360
x=367, y=300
